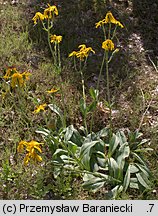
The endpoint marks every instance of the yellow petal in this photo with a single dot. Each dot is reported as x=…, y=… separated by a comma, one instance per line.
x=52, y=91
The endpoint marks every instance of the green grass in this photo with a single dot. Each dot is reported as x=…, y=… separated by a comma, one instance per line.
x=23, y=47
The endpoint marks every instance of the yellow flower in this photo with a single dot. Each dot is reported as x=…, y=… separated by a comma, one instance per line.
x=35, y=157
x=55, y=39
x=26, y=75
x=21, y=145
x=9, y=72
x=89, y=49
x=72, y=54
x=39, y=108
x=48, y=12
x=110, y=19
x=82, y=47
x=119, y=24
x=108, y=45
x=83, y=52
x=52, y=91
x=26, y=159
x=32, y=145
x=31, y=148
x=100, y=23
x=81, y=55
x=17, y=79
x=38, y=16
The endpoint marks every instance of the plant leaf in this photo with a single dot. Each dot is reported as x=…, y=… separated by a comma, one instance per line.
x=60, y=152
x=112, y=194
x=113, y=168
x=92, y=106
x=123, y=153
x=134, y=183
x=94, y=93
x=103, y=132
x=139, y=158
x=126, y=181
x=94, y=184
x=69, y=132
x=122, y=137
x=85, y=153
x=72, y=147
x=43, y=131
x=143, y=142
x=83, y=107
x=56, y=109
x=114, y=141
x=95, y=181
x=143, y=180
x=143, y=169
x=133, y=168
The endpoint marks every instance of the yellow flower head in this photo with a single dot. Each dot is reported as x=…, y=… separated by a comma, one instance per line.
x=82, y=47
x=110, y=19
x=9, y=72
x=81, y=55
x=119, y=24
x=26, y=159
x=72, y=54
x=50, y=11
x=52, y=91
x=55, y=39
x=108, y=45
x=26, y=75
x=36, y=157
x=100, y=23
x=83, y=52
x=38, y=16
x=31, y=147
x=17, y=79
x=39, y=108
x=21, y=145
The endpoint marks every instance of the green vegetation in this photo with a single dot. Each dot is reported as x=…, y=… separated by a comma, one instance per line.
x=76, y=124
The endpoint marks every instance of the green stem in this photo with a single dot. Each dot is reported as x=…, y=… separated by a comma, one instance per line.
x=74, y=58
x=109, y=31
x=114, y=33
x=98, y=82
x=55, y=54
x=63, y=102
x=100, y=72
x=108, y=90
x=104, y=32
x=84, y=97
x=49, y=43
x=107, y=76
x=59, y=59
x=83, y=85
x=91, y=126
